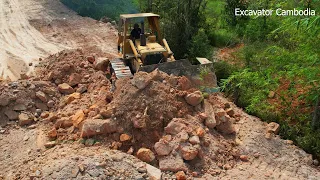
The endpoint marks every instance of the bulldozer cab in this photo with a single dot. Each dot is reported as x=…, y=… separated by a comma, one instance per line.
x=150, y=48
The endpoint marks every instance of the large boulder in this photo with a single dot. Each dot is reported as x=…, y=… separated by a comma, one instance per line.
x=92, y=127
x=195, y=98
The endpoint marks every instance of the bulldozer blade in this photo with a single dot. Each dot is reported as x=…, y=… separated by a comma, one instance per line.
x=183, y=68
x=178, y=68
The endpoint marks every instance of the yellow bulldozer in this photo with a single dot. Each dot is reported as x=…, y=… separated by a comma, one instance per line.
x=149, y=51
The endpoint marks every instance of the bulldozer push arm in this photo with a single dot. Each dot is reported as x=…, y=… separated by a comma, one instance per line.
x=170, y=53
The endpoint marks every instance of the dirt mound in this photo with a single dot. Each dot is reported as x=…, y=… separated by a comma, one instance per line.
x=157, y=117
x=71, y=66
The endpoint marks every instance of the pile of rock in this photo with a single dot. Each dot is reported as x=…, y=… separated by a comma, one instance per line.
x=25, y=100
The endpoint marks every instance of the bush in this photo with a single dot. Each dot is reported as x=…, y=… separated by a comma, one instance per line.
x=199, y=46
x=223, y=70
x=223, y=37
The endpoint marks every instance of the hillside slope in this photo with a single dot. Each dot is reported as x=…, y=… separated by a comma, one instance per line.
x=32, y=29
x=45, y=124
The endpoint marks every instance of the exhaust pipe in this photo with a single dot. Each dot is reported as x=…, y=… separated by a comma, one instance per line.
x=143, y=38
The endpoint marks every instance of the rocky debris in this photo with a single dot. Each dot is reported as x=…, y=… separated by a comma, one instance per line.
x=106, y=113
x=65, y=88
x=194, y=98
x=41, y=106
x=63, y=122
x=200, y=132
x=81, y=88
x=69, y=98
x=101, y=64
x=12, y=115
x=25, y=119
x=50, y=103
x=92, y=127
x=50, y=144
x=141, y=81
x=184, y=83
x=153, y=172
x=4, y=101
x=125, y=137
x=226, y=127
x=173, y=163
x=244, y=158
x=52, y=134
x=163, y=148
x=91, y=59
x=44, y=114
x=230, y=112
x=268, y=136
x=188, y=152
x=273, y=128
x=210, y=121
x=133, y=116
x=145, y=155
x=180, y=175
x=74, y=79
x=174, y=127
x=42, y=96
x=78, y=118
x=194, y=140
x=139, y=121
x=19, y=107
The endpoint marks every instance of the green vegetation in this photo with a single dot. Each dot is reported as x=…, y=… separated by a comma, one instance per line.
x=280, y=56
x=183, y=24
x=100, y=8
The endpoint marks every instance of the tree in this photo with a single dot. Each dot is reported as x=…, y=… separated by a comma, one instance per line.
x=181, y=20
x=231, y=5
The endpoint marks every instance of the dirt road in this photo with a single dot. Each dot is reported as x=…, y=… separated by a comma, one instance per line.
x=32, y=29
